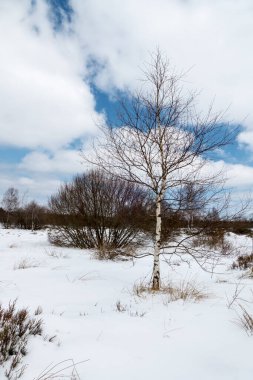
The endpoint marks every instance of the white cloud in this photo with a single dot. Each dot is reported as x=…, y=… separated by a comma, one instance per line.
x=62, y=161
x=45, y=96
x=238, y=176
x=44, y=99
x=213, y=38
x=37, y=186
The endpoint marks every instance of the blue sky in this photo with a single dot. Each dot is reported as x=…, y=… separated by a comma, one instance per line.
x=63, y=62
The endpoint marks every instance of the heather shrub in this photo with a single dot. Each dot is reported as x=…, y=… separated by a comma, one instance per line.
x=16, y=327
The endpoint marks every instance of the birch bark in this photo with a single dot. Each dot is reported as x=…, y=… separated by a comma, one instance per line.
x=156, y=280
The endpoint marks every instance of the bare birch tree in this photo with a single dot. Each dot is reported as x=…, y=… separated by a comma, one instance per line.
x=10, y=204
x=161, y=142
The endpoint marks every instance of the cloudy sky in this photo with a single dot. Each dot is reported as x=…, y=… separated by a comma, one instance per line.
x=63, y=61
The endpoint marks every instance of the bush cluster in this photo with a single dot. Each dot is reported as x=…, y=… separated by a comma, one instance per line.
x=16, y=326
x=98, y=211
x=243, y=262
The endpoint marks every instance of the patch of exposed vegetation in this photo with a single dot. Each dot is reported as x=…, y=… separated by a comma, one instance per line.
x=243, y=262
x=16, y=327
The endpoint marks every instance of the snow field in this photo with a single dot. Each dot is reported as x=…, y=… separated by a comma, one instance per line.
x=93, y=312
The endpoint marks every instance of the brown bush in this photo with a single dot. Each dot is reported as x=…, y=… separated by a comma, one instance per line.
x=16, y=326
x=243, y=262
x=98, y=211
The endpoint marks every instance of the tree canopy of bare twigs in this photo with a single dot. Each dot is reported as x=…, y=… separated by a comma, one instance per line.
x=161, y=142
x=97, y=210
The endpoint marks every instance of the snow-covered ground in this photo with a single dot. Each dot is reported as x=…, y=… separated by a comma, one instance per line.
x=92, y=309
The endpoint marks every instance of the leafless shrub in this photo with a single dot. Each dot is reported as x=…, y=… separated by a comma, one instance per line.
x=235, y=296
x=26, y=263
x=243, y=262
x=227, y=248
x=245, y=320
x=214, y=240
x=98, y=211
x=16, y=326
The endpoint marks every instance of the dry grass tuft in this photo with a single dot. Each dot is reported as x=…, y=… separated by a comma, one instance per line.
x=248, y=274
x=55, y=254
x=245, y=320
x=186, y=290
x=120, y=308
x=116, y=254
x=38, y=311
x=128, y=309
x=66, y=369
x=26, y=263
x=141, y=289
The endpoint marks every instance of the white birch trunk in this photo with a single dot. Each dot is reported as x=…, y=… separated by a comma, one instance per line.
x=156, y=266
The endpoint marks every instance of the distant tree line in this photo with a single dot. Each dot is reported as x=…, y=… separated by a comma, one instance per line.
x=98, y=210
x=15, y=213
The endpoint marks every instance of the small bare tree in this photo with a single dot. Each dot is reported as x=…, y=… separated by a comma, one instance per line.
x=10, y=204
x=192, y=201
x=32, y=216
x=162, y=143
